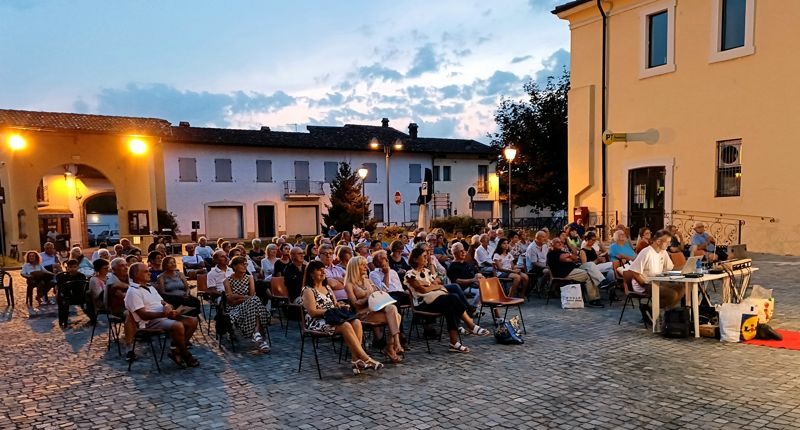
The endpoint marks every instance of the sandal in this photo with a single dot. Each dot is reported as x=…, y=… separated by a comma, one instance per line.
x=458, y=347
x=173, y=355
x=358, y=365
x=480, y=331
x=372, y=364
x=394, y=359
x=190, y=360
x=464, y=332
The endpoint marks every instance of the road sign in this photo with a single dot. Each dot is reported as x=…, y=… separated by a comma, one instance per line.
x=471, y=192
x=424, y=189
x=397, y=197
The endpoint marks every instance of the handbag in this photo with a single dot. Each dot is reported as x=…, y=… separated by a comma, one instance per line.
x=336, y=316
x=379, y=300
x=507, y=333
x=429, y=297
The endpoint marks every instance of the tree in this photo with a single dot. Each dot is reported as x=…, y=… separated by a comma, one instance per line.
x=167, y=219
x=537, y=127
x=349, y=207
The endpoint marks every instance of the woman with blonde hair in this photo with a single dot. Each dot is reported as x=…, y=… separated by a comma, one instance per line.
x=359, y=289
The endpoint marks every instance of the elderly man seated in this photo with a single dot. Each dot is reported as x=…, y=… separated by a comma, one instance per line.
x=536, y=257
x=219, y=272
x=386, y=279
x=464, y=274
x=651, y=261
x=483, y=254
x=150, y=311
x=703, y=243
x=564, y=264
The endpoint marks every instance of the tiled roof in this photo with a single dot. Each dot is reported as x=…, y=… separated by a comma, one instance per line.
x=568, y=5
x=349, y=137
x=84, y=122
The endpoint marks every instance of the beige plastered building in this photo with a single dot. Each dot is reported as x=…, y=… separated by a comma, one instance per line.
x=704, y=90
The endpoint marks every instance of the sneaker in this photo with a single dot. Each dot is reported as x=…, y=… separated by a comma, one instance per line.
x=130, y=356
x=53, y=301
x=264, y=347
x=257, y=338
x=595, y=304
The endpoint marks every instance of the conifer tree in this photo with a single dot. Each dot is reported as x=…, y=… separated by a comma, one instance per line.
x=348, y=207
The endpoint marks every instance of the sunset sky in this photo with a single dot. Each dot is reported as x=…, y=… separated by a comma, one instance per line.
x=442, y=64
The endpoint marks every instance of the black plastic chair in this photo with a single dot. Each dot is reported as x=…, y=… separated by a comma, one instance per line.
x=147, y=335
x=70, y=293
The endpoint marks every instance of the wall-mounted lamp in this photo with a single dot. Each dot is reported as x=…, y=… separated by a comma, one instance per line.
x=137, y=146
x=16, y=142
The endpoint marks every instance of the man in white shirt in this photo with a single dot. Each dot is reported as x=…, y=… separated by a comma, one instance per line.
x=49, y=258
x=217, y=275
x=494, y=237
x=483, y=254
x=650, y=262
x=150, y=311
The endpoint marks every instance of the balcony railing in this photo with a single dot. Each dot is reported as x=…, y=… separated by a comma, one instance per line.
x=303, y=188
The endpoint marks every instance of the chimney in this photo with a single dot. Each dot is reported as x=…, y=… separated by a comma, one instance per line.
x=385, y=122
x=412, y=130
x=184, y=124
x=265, y=128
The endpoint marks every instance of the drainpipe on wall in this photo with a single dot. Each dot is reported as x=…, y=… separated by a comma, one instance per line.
x=604, y=119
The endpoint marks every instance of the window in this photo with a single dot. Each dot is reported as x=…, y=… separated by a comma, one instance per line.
x=483, y=179
x=732, y=29
x=729, y=168
x=263, y=170
x=187, y=169
x=658, y=38
x=331, y=169
x=446, y=173
x=436, y=173
x=414, y=173
x=733, y=19
x=222, y=169
x=372, y=173
x=377, y=212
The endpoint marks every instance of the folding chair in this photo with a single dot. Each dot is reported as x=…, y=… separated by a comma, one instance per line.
x=315, y=336
x=211, y=296
x=280, y=297
x=493, y=296
x=630, y=295
x=147, y=335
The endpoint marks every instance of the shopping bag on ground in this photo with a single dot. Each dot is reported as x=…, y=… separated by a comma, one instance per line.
x=735, y=321
x=571, y=297
x=764, y=308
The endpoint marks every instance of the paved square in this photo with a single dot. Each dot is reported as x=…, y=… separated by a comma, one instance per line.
x=577, y=369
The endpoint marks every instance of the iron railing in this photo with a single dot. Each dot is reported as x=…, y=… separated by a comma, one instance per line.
x=303, y=188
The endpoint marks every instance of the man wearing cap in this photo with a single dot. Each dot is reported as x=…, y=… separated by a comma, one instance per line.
x=703, y=243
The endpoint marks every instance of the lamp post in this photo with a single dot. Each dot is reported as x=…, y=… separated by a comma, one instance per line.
x=510, y=153
x=362, y=173
x=387, y=151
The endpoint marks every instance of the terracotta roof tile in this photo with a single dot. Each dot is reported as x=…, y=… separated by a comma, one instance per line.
x=84, y=122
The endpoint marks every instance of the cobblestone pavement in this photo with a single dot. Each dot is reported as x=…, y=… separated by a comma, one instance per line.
x=577, y=369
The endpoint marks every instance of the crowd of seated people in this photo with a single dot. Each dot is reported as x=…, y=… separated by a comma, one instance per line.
x=420, y=269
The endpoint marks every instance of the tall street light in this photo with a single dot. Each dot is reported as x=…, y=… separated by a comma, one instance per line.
x=362, y=173
x=387, y=151
x=510, y=153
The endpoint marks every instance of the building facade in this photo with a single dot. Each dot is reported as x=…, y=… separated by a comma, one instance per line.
x=86, y=178
x=703, y=91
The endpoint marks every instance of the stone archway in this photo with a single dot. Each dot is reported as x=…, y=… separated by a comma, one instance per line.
x=132, y=177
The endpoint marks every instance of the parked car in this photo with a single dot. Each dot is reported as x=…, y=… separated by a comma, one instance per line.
x=110, y=237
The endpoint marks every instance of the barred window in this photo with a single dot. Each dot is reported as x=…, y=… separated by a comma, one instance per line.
x=729, y=168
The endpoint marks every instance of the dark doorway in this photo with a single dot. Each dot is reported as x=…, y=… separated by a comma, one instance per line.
x=266, y=221
x=646, y=190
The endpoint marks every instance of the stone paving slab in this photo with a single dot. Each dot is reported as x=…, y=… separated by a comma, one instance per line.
x=577, y=370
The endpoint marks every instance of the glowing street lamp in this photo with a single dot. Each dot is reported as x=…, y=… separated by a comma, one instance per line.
x=387, y=151
x=362, y=173
x=510, y=153
x=16, y=142
x=137, y=146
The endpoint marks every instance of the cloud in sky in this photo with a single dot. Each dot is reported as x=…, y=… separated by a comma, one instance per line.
x=445, y=66
x=552, y=66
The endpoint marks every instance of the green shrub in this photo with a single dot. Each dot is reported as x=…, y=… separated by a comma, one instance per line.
x=466, y=224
